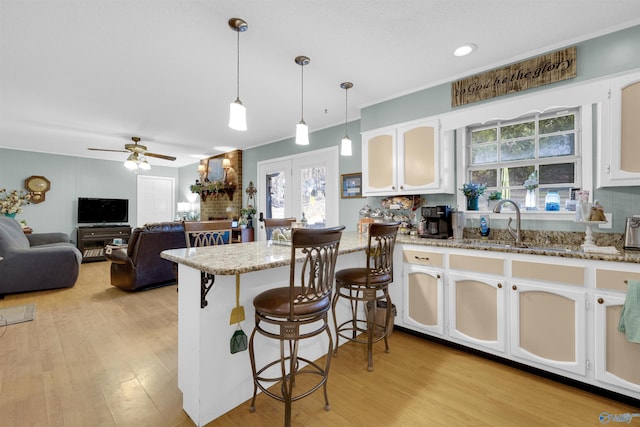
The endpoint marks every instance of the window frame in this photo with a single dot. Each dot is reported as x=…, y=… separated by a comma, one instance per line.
x=536, y=161
x=589, y=96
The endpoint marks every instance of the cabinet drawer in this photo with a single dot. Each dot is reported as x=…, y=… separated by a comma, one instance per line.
x=556, y=273
x=478, y=264
x=614, y=279
x=423, y=257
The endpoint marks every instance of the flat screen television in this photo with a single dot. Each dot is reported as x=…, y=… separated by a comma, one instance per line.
x=102, y=211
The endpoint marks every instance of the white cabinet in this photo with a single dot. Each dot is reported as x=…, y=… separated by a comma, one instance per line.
x=619, y=153
x=616, y=359
x=424, y=299
x=547, y=325
x=423, y=291
x=477, y=310
x=413, y=158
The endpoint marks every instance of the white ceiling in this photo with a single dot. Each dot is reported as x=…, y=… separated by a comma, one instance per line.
x=93, y=73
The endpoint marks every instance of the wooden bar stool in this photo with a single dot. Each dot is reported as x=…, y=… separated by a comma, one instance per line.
x=366, y=289
x=271, y=224
x=295, y=312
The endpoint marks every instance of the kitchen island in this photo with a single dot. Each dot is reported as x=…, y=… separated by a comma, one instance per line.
x=212, y=380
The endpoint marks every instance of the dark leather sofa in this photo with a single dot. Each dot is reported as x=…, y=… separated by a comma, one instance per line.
x=37, y=261
x=139, y=265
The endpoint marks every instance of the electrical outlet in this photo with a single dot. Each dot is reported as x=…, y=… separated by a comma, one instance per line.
x=609, y=221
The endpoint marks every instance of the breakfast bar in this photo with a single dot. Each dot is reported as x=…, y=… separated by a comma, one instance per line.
x=211, y=378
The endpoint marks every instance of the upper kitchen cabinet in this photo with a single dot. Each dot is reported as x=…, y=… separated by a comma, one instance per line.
x=620, y=154
x=413, y=158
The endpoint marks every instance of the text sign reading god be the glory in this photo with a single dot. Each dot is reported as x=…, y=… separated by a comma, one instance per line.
x=542, y=70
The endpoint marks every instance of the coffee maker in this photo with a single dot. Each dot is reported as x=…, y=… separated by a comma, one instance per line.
x=436, y=222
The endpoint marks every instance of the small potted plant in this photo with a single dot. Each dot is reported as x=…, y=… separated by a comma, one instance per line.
x=472, y=191
x=493, y=198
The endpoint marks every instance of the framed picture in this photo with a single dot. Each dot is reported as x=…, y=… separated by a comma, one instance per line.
x=215, y=172
x=351, y=185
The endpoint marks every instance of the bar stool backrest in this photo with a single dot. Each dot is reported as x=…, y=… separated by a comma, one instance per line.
x=311, y=279
x=382, y=240
x=207, y=233
x=271, y=224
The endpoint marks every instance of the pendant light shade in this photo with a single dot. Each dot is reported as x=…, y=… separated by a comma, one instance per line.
x=237, y=111
x=302, y=130
x=237, y=115
x=345, y=144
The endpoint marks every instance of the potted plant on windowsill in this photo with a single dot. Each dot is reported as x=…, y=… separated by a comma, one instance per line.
x=493, y=199
x=472, y=191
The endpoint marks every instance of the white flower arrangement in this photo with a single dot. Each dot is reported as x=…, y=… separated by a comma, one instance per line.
x=11, y=202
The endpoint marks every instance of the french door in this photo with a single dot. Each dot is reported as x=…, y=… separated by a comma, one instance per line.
x=305, y=183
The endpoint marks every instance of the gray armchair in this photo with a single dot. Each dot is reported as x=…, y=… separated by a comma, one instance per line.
x=35, y=262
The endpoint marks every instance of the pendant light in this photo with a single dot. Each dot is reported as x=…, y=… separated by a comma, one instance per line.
x=302, y=130
x=345, y=146
x=237, y=111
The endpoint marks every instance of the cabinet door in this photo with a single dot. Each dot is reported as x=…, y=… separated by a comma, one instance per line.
x=418, y=155
x=547, y=326
x=477, y=310
x=379, y=162
x=424, y=299
x=616, y=359
x=620, y=166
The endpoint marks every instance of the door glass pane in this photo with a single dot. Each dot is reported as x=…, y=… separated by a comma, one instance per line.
x=313, y=200
x=275, y=195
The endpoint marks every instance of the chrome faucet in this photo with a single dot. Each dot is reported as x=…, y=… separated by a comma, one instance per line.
x=517, y=234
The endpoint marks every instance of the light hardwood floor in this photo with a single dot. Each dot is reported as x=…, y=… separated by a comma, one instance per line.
x=98, y=356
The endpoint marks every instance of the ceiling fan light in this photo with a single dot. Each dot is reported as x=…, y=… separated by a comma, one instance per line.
x=302, y=133
x=237, y=115
x=131, y=162
x=144, y=165
x=345, y=147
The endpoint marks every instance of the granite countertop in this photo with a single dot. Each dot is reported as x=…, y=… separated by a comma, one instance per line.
x=251, y=256
x=255, y=256
x=531, y=247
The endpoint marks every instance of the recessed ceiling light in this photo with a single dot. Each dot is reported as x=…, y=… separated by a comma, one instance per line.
x=465, y=49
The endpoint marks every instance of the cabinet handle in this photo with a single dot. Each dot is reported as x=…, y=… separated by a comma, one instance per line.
x=600, y=301
x=393, y=187
x=402, y=187
x=514, y=287
x=424, y=258
x=437, y=276
x=499, y=285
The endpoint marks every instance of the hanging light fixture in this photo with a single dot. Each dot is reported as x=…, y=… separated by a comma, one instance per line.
x=302, y=130
x=237, y=111
x=345, y=146
x=134, y=162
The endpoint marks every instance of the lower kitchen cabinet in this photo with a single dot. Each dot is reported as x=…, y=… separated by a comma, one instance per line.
x=424, y=299
x=556, y=314
x=616, y=359
x=477, y=310
x=547, y=325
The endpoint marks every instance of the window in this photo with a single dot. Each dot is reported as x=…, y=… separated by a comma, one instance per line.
x=503, y=154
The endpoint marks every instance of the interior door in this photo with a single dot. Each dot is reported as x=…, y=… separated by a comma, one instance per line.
x=307, y=183
x=156, y=196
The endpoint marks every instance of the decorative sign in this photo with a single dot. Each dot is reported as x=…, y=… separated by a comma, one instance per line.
x=542, y=70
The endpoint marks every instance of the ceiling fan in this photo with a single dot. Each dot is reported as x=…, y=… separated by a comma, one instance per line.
x=136, y=150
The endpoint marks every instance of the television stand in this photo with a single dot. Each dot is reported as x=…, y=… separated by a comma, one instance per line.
x=92, y=240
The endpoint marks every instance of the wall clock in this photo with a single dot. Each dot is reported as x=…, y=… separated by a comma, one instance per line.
x=37, y=187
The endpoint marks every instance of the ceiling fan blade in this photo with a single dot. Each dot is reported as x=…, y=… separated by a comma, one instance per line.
x=160, y=156
x=105, y=149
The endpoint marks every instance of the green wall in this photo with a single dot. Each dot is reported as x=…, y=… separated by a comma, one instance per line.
x=71, y=177
x=603, y=56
